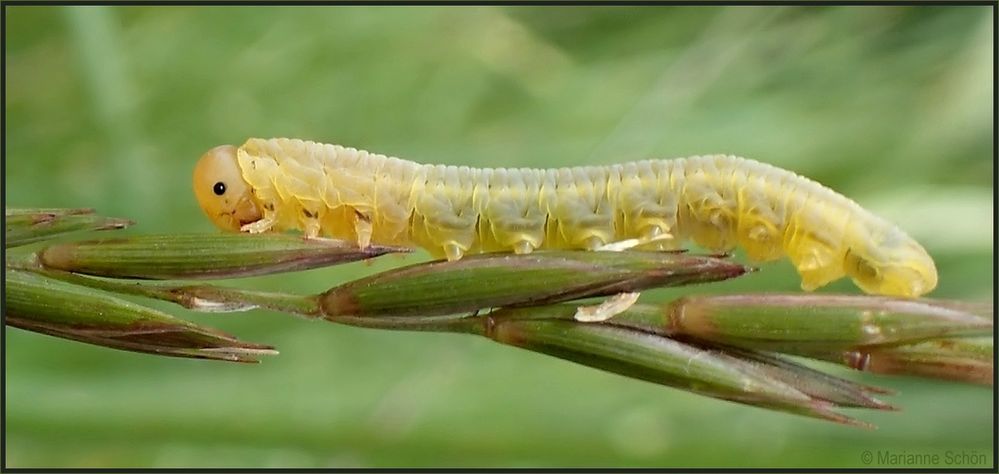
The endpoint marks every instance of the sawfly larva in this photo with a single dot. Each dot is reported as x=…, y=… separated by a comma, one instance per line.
x=716, y=201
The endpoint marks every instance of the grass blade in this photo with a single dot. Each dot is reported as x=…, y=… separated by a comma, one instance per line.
x=959, y=359
x=25, y=226
x=661, y=360
x=48, y=306
x=801, y=323
x=493, y=280
x=204, y=298
x=198, y=256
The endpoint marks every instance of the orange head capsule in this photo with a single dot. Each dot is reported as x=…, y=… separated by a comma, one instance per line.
x=221, y=191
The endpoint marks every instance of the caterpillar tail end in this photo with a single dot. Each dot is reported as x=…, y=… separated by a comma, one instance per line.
x=902, y=270
x=904, y=283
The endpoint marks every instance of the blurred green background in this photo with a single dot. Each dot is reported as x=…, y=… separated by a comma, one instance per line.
x=110, y=107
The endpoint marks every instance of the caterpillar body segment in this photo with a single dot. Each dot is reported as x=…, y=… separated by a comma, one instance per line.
x=718, y=201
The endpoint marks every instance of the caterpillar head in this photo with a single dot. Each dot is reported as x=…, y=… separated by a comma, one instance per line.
x=221, y=191
x=891, y=264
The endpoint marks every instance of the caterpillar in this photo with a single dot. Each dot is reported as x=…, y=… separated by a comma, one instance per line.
x=717, y=201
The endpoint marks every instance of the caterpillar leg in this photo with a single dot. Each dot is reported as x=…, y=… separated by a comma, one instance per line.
x=652, y=237
x=363, y=228
x=261, y=226
x=453, y=251
x=817, y=267
x=593, y=242
x=312, y=230
x=661, y=235
x=619, y=245
x=523, y=247
x=310, y=224
x=609, y=308
x=761, y=240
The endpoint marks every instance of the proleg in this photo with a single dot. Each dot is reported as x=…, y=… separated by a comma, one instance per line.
x=719, y=202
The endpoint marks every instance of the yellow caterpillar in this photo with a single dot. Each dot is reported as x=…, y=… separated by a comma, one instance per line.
x=717, y=201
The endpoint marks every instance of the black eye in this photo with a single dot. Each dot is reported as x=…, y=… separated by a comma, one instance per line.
x=219, y=188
